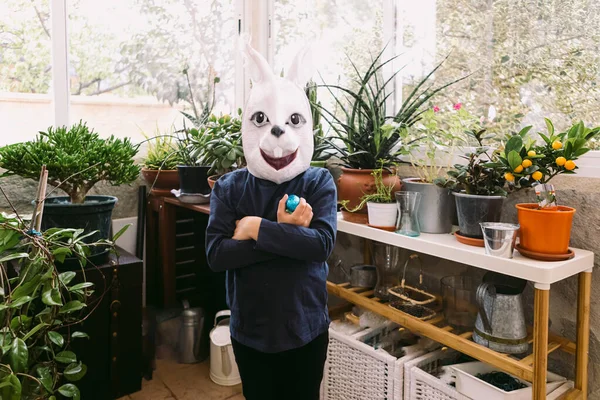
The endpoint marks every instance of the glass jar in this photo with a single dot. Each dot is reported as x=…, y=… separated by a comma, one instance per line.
x=386, y=259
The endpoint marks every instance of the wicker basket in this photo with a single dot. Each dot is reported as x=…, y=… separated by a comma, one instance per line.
x=419, y=384
x=356, y=371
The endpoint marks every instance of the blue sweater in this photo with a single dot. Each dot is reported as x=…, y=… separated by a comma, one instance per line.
x=276, y=285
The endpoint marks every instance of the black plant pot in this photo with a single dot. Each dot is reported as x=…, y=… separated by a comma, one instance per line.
x=95, y=214
x=473, y=209
x=193, y=179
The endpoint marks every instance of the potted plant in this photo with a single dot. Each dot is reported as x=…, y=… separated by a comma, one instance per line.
x=218, y=144
x=440, y=137
x=364, y=133
x=478, y=187
x=321, y=152
x=76, y=158
x=41, y=309
x=381, y=205
x=159, y=168
x=526, y=164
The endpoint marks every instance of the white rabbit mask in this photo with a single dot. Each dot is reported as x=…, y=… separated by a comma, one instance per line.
x=277, y=123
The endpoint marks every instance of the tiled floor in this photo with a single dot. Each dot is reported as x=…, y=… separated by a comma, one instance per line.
x=172, y=381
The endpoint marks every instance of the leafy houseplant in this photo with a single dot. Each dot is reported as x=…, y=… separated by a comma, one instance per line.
x=76, y=159
x=478, y=187
x=40, y=309
x=218, y=143
x=367, y=133
x=529, y=164
x=159, y=168
x=381, y=204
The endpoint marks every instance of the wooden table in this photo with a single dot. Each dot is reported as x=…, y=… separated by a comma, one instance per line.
x=542, y=274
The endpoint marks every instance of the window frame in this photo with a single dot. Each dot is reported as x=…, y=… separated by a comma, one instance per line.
x=255, y=19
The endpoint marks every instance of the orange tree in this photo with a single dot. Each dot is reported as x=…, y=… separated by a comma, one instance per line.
x=525, y=162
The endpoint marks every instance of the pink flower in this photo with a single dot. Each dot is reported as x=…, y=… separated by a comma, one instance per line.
x=458, y=106
x=436, y=109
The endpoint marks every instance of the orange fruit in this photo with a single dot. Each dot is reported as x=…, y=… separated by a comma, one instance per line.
x=526, y=163
x=560, y=161
x=537, y=175
x=570, y=165
x=519, y=169
x=531, y=153
x=509, y=177
x=556, y=145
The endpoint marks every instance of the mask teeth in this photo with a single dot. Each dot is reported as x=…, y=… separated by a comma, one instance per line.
x=278, y=152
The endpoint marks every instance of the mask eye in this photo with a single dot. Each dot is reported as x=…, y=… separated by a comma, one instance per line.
x=259, y=118
x=296, y=120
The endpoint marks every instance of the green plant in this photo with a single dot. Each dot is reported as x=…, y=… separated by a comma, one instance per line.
x=321, y=147
x=76, y=158
x=441, y=131
x=39, y=310
x=162, y=153
x=367, y=133
x=217, y=143
x=383, y=193
x=480, y=176
x=526, y=163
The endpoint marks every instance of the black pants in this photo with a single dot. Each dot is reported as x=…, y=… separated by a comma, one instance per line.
x=290, y=375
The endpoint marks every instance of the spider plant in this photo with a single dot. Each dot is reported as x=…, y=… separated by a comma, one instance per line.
x=368, y=134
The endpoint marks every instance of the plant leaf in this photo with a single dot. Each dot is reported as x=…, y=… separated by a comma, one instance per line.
x=66, y=277
x=117, y=235
x=56, y=338
x=78, y=334
x=514, y=159
x=20, y=301
x=69, y=390
x=45, y=377
x=80, y=286
x=71, y=306
x=18, y=356
x=13, y=257
x=34, y=330
x=66, y=357
x=75, y=372
x=51, y=297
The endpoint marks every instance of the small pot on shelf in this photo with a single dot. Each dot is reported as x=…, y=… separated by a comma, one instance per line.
x=353, y=184
x=383, y=215
x=212, y=180
x=194, y=179
x=437, y=208
x=474, y=209
x=545, y=231
x=161, y=182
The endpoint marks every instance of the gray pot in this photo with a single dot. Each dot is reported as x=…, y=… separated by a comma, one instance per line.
x=437, y=209
x=473, y=209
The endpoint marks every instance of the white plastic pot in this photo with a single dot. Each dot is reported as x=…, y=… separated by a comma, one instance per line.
x=223, y=368
x=383, y=215
x=469, y=385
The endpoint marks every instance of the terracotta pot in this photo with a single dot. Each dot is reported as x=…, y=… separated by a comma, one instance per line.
x=212, y=180
x=166, y=181
x=354, y=184
x=545, y=231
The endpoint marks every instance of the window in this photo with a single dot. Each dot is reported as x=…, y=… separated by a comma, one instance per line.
x=134, y=64
x=25, y=69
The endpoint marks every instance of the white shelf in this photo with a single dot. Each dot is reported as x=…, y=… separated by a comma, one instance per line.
x=447, y=247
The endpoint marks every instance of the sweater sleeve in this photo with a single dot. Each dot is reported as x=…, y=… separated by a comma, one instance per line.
x=223, y=252
x=314, y=243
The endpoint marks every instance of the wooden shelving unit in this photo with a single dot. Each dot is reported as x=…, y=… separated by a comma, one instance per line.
x=531, y=368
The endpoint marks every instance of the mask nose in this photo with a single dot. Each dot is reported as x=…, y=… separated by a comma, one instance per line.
x=277, y=131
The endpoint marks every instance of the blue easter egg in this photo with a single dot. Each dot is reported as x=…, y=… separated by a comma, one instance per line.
x=291, y=203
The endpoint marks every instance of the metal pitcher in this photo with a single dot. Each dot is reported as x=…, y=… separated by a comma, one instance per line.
x=190, y=335
x=500, y=324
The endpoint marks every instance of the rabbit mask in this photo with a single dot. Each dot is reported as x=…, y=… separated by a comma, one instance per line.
x=277, y=124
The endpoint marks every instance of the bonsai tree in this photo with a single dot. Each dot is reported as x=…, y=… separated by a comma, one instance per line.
x=480, y=176
x=76, y=159
x=526, y=163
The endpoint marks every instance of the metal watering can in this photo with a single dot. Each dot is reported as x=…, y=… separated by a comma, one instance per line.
x=500, y=323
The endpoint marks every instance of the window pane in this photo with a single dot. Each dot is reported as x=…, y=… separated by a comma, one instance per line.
x=341, y=30
x=530, y=59
x=135, y=63
x=25, y=70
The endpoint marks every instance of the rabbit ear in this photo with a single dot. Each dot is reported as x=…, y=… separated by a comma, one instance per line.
x=258, y=68
x=302, y=68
